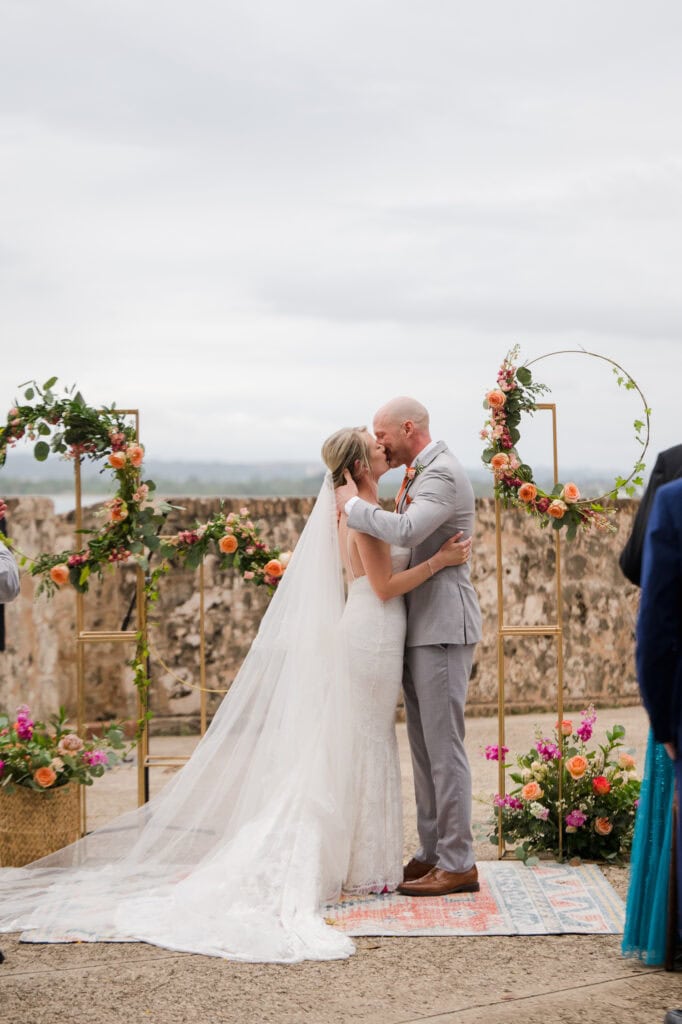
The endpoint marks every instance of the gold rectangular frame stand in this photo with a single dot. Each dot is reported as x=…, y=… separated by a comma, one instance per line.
x=554, y=629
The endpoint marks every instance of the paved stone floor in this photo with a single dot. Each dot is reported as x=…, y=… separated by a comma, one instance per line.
x=498, y=980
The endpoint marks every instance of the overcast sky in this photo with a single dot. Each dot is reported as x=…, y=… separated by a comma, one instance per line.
x=257, y=221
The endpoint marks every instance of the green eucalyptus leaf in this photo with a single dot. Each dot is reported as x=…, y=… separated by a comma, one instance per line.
x=41, y=451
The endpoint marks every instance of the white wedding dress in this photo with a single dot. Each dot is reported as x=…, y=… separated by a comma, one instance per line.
x=240, y=851
x=375, y=639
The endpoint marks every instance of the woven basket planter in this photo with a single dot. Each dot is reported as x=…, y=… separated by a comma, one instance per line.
x=34, y=824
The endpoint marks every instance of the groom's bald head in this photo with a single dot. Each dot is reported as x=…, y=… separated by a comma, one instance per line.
x=402, y=426
x=400, y=410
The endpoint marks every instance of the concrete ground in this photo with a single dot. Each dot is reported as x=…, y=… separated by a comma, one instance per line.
x=569, y=979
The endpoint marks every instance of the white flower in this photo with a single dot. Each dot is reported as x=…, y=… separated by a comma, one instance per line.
x=526, y=775
x=57, y=764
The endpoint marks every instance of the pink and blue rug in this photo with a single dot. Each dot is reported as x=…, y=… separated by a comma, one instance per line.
x=548, y=899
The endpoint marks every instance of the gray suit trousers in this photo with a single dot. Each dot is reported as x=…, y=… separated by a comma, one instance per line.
x=435, y=684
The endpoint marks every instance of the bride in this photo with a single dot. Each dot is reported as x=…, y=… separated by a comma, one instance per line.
x=292, y=792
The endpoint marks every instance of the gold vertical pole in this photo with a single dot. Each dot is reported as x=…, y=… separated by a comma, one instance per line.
x=501, y=781
x=80, y=626
x=559, y=641
x=202, y=648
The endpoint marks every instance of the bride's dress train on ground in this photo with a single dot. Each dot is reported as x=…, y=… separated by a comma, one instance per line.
x=238, y=853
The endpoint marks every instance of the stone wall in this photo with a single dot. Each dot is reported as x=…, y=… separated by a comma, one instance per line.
x=38, y=666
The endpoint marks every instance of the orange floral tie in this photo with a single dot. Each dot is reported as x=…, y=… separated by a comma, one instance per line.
x=409, y=475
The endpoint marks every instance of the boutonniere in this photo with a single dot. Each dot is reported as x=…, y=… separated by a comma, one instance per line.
x=415, y=470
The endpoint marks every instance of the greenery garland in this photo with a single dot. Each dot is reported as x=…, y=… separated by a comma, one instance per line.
x=134, y=518
x=564, y=507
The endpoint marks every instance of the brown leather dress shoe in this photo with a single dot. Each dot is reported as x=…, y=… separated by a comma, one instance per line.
x=438, y=882
x=416, y=869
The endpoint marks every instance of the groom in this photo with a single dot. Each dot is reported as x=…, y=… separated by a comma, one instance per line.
x=434, y=502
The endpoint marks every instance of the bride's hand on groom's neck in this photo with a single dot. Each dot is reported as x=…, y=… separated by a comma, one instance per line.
x=345, y=491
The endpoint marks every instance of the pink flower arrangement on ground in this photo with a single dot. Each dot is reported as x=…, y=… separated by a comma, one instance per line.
x=37, y=756
x=599, y=795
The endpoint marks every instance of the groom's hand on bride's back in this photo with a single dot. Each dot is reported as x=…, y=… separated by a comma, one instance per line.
x=345, y=491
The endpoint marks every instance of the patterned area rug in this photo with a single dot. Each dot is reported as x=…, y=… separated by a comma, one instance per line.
x=514, y=900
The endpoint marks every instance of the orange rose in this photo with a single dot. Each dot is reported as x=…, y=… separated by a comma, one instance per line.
x=528, y=492
x=59, y=574
x=45, y=777
x=566, y=727
x=570, y=493
x=532, y=791
x=602, y=826
x=496, y=399
x=135, y=453
x=228, y=544
x=499, y=461
x=576, y=766
x=118, y=511
x=117, y=460
x=557, y=509
x=274, y=568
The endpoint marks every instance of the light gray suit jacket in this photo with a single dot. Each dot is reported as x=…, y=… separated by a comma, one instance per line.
x=9, y=576
x=444, y=609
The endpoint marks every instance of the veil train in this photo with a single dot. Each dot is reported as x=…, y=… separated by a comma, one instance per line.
x=238, y=852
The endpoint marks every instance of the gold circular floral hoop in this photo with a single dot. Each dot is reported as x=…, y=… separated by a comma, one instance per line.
x=564, y=507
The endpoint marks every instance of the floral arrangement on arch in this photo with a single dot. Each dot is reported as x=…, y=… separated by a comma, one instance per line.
x=599, y=795
x=564, y=507
x=133, y=519
x=36, y=756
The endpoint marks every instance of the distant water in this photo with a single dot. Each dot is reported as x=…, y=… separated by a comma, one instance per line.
x=67, y=502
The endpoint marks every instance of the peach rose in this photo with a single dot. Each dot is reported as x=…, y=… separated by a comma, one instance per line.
x=496, y=399
x=45, y=777
x=59, y=574
x=570, y=493
x=228, y=544
x=626, y=762
x=117, y=460
x=248, y=575
x=566, y=727
x=135, y=453
x=557, y=509
x=499, y=461
x=528, y=492
x=576, y=766
x=274, y=568
x=70, y=744
x=602, y=826
x=532, y=791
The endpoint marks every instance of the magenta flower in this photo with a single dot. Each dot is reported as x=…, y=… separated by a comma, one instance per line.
x=24, y=723
x=2, y=767
x=584, y=730
x=575, y=819
x=495, y=753
x=511, y=802
x=548, y=750
x=94, y=757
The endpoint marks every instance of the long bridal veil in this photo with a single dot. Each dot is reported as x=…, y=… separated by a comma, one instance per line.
x=236, y=855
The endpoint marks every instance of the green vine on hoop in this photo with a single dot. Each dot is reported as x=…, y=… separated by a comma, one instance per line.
x=564, y=507
x=134, y=517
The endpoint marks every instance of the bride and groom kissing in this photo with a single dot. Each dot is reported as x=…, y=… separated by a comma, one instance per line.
x=293, y=794
x=425, y=642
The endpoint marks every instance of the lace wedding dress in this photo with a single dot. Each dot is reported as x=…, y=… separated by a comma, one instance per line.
x=375, y=640
x=239, y=852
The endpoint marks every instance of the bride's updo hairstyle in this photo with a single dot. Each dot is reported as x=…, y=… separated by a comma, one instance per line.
x=343, y=449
